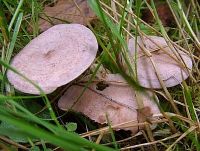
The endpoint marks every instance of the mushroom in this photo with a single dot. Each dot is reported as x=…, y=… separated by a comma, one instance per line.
x=116, y=100
x=169, y=63
x=54, y=58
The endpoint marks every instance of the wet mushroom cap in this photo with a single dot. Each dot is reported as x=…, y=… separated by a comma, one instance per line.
x=169, y=66
x=116, y=100
x=54, y=58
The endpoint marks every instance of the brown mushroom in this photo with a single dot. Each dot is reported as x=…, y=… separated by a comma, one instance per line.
x=169, y=63
x=54, y=58
x=116, y=100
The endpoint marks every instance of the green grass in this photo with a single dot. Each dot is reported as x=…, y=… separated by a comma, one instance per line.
x=179, y=126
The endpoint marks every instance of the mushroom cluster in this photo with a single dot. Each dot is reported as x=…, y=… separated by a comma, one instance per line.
x=63, y=52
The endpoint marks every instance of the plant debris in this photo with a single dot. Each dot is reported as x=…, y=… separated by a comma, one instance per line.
x=66, y=11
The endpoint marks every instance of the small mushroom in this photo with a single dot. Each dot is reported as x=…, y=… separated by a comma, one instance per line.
x=169, y=63
x=54, y=58
x=116, y=100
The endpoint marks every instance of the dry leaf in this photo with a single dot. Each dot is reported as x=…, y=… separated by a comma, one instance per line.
x=164, y=14
x=66, y=11
x=117, y=101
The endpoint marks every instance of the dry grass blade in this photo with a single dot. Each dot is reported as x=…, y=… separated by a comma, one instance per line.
x=121, y=125
x=175, y=127
x=13, y=143
x=151, y=143
x=181, y=137
x=135, y=16
x=99, y=139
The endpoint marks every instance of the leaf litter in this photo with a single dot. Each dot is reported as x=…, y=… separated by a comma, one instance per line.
x=66, y=11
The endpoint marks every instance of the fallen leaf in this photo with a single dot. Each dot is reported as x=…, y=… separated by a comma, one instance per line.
x=66, y=11
x=164, y=14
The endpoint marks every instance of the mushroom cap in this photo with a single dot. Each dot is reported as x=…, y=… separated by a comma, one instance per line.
x=118, y=101
x=169, y=69
x=54, y=58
